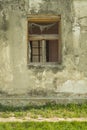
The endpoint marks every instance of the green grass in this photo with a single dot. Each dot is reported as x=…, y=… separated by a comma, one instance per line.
x=46, y=111
x=44, y=126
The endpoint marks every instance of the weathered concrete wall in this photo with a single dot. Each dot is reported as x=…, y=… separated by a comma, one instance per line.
x=68, y=80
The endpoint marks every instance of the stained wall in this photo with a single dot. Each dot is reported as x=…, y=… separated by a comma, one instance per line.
x=65, y=81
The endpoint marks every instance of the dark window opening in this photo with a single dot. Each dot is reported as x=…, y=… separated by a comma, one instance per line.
x=52, y=51
x=36, y=49
x=44, y=40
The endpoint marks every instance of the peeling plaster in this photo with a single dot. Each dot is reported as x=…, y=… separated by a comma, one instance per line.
x=68, y=79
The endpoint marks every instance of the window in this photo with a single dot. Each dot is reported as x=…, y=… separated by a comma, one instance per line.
x=44, y=44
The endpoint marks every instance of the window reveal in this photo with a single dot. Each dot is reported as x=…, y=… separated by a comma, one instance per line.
x=43, y=41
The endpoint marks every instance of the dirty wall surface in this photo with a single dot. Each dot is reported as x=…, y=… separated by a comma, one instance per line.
x=67, y=80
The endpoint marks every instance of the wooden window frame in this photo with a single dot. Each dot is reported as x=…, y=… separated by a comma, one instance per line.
x=44, y=19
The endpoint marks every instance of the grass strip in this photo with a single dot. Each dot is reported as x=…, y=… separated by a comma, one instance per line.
x=45, y=111
x=44, y=126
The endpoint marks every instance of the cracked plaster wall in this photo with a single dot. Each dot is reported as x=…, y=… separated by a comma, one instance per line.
x=68, y=80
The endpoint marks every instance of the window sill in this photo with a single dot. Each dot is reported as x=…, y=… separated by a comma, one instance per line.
x=46, y=65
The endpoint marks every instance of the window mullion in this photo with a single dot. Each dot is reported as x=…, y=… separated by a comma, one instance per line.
x=39, y=51
x=43, y=51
